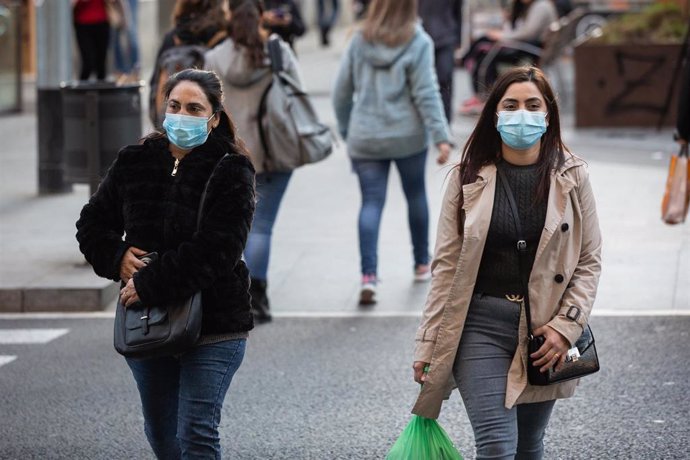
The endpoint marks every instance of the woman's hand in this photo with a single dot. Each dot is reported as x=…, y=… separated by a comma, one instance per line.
x=419, y=374
x=271, y=18
x=129, y=264
x=443, y=152
x=128, y=294
x=554, y=350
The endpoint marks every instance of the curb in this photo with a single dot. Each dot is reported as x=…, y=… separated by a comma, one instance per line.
x=58, y=299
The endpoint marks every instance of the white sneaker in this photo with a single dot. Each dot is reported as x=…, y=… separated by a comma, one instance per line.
x=368, y=292
x=422, y=273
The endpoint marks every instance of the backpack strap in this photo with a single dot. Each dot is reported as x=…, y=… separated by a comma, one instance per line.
x=217, y=38
x=260, y=124
x=275, y=54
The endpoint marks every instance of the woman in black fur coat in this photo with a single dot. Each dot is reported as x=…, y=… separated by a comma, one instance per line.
x=151, y=196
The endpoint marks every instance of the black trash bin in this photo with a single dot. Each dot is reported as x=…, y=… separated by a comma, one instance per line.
x=99, y=119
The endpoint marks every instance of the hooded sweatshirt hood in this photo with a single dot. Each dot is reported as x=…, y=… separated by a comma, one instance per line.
x=382, y=56
x=235, y=66
x=386, y=99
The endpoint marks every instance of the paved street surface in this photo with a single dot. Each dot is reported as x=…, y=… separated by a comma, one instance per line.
x=337, y=388
x=327, y=380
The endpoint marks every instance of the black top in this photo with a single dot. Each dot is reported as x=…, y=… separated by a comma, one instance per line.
x=155, y=211
x=499, y=271
x=442, y=20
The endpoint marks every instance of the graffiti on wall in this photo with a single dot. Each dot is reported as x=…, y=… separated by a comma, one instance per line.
x=638, y=73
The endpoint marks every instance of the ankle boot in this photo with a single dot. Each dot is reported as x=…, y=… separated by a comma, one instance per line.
x=260, y=306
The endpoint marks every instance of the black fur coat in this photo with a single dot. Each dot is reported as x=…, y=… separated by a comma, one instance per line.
x=155, y=211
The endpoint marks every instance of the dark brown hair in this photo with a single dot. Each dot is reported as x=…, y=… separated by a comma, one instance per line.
x=483, y=147
x=212, y=87
x=199, y=15
x=245, y=29
x=390, y=22
x=518, y=10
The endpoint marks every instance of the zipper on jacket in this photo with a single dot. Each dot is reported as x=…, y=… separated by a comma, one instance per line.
x=177, y=163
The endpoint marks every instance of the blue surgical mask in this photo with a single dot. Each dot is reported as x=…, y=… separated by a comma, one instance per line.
x=186, y=131
x=521, y=129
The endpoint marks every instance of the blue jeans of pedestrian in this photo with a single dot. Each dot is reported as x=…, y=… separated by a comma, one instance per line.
x=270, y=188
x=127, y=54
x=488, y=343
x=373, y=183
x=182, y=398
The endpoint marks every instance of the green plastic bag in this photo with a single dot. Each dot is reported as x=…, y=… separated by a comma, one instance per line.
x=423, y=439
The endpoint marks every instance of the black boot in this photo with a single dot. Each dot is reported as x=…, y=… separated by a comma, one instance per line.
x=260, y=306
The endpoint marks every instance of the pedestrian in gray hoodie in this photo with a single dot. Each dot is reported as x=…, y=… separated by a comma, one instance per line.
x=388, y=107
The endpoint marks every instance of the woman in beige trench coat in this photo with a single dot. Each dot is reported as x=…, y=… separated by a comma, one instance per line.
x=471, y=334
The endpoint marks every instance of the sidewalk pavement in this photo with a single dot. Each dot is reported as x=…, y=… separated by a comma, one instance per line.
x=315, y=260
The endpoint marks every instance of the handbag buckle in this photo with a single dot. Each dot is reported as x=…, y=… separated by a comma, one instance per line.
x=573, y=355
x=522, y=245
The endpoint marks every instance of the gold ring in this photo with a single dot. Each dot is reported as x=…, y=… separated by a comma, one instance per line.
x=557, y=356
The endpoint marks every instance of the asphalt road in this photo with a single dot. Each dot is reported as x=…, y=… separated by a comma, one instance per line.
x=334, y=388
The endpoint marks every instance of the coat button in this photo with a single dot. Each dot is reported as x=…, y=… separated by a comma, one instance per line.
x=564, y=227
x=558, y=278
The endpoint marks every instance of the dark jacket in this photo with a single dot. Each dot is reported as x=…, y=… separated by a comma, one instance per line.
x=194, y=30
x=139, y=198
x=296, y=28
x=441, y=19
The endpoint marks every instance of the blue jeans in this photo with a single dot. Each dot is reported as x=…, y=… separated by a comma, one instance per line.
x=182, y=397
x=127, y=54
x=270, y=188
x=488, y=343
x=373, y=183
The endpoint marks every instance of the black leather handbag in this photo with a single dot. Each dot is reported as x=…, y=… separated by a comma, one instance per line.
x=148, y=331
x=582, y=359
x=587, y=362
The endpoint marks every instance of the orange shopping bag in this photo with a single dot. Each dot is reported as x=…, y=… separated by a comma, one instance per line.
x=674, y=207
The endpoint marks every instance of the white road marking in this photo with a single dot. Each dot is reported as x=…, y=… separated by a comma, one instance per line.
x=603, y=312
x=6, y=360
x=26, y=336
x=660, y=312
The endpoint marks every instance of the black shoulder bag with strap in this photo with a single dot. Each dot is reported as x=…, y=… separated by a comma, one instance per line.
x=148, y=331
x=582, y=359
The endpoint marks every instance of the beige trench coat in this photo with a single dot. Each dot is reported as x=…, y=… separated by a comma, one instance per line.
x=570, y=246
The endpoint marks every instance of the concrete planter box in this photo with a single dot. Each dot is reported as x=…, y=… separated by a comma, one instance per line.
x=624, y=85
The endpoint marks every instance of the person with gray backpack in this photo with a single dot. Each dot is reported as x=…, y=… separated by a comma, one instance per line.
x=275, y=120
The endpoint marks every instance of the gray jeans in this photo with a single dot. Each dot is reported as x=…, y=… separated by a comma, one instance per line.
x=488, y=343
